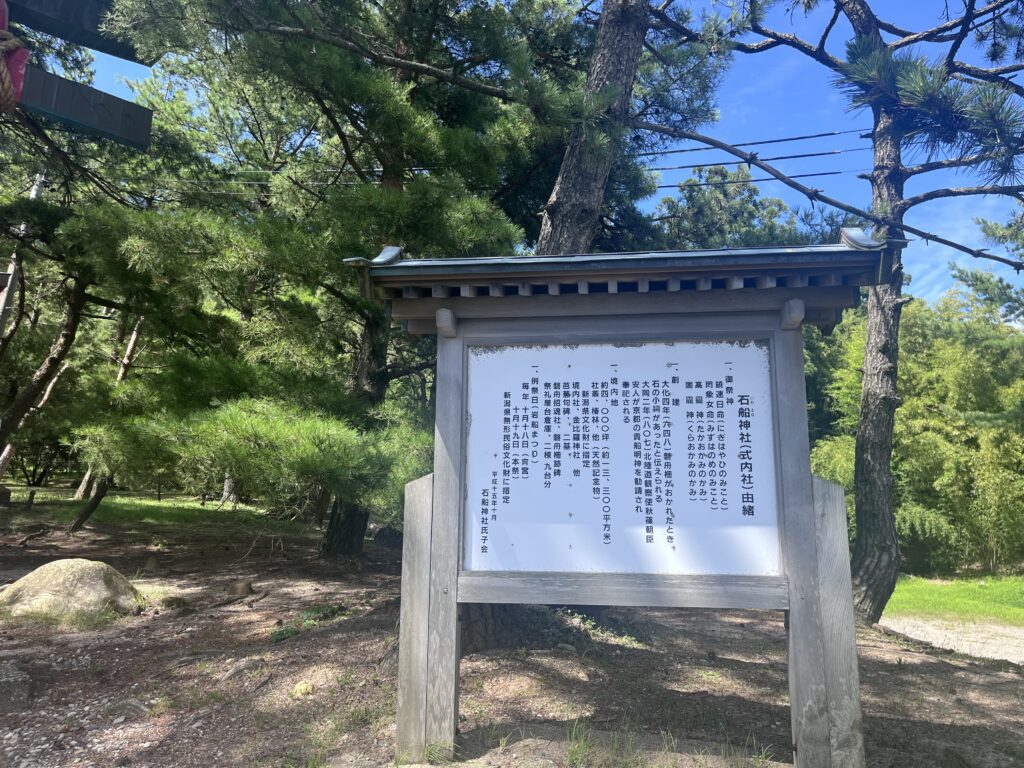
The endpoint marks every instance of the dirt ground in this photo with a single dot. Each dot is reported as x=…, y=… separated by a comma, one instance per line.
x=198, y=680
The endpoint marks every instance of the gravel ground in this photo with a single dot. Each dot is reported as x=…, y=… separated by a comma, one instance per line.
x=986, y=641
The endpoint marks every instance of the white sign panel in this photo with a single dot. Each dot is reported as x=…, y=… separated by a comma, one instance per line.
x=621, y=458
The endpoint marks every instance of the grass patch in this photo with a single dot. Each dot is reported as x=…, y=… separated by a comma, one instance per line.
x=71, y=620
x=997, y=599
x=127, y=511
x=308, y=619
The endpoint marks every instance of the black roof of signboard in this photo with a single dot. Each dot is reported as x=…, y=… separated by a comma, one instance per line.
x=827, y=277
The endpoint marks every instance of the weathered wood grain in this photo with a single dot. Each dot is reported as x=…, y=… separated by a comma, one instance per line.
x=412, y=636
x=442, y=634
x=807, y=689
x=835, y=597
x=627, y=589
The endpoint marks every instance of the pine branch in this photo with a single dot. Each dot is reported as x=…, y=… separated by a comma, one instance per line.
x=993, y=75
x=688, y=35
x=964, y=28
x=956, y=162
x=390, y=61
x=1012, y=190
x=792, y=41
x=938, y=34
x=829, y=27
x=816, y=195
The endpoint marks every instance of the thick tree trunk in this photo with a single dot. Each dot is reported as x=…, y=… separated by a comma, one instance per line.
x=573, y=211
x=346, y=530
x=49, y=369
x=876, y=554
x=83, y=487
x=102, y=486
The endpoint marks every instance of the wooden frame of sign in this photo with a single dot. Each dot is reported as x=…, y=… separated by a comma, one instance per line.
x=730, y=300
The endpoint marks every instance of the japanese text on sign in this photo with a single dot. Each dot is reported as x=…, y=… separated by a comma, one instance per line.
x=631, y=458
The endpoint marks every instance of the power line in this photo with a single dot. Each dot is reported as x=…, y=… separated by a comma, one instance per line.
x=755, y=143
x=829, y=153
x=756, y=181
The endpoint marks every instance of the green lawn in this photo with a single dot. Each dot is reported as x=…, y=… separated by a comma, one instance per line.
x=126, y=511
x=989, y=598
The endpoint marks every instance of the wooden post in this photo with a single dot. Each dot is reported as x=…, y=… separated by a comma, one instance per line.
x=835, y=599
x=807, y=690
x=410, y=736
x=442, y=702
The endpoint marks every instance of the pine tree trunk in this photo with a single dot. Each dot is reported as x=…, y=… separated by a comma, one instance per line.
x=573, y=211
x=49, y=369
x=876, y=554
x=346, y=530
x=83, y=487
x=102, y=486
x=371, y=362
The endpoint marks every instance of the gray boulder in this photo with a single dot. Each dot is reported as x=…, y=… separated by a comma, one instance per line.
x=75, y=589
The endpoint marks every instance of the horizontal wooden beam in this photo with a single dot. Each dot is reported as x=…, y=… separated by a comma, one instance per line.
x=626, y=589
x=573, y=305
x=77, y=21
x=85, y=108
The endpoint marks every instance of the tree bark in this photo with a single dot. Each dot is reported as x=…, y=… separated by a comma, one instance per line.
x=573, y=211
x=83, y=487
x=129, y=353
x=5, y=459
x=229, y=493
x=102, y=486
x=876, y=553
x=371, y=361
x=49, y=369
x=346, y=530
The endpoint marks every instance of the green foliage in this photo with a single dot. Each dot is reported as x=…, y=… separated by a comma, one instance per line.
x=285, y=456
x=718, y=208
x=958, y=458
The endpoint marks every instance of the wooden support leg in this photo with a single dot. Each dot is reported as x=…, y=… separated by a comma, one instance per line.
x=443, y=621
x=835, y=601
x=410, y=736
x=807, y=690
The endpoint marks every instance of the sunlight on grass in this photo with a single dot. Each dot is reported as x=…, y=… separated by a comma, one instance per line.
x=989, y=598
x=126, y=511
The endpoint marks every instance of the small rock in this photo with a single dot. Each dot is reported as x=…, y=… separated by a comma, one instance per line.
x=566, y=647
x=119, y=720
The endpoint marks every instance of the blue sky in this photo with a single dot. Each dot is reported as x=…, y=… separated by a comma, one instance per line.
x=781, y=93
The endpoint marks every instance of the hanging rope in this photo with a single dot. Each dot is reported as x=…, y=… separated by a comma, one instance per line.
x=8, y=44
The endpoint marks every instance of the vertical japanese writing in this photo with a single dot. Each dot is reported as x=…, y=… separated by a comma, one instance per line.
x=745, y=413
x=582, y=446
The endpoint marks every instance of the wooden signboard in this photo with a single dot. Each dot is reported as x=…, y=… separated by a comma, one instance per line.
x=79, y=21
x=629, y=429
x=86, y=108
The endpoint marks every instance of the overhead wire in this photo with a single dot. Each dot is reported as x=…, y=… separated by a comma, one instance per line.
x=755, y=143
x=727, y=182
